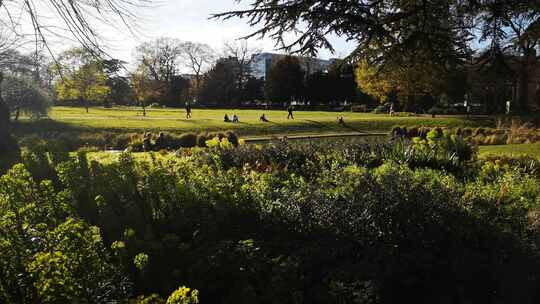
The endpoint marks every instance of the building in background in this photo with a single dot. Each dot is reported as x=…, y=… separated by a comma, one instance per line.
x=263, y=62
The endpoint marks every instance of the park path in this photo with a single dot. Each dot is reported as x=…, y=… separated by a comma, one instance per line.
x=255, y=139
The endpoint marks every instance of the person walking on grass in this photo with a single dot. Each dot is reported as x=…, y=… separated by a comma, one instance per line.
x=290, y=109
x=188, y=110
x=392, y=112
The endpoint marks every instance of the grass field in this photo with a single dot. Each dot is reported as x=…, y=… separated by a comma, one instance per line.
x=65, y=119
x=528, y=149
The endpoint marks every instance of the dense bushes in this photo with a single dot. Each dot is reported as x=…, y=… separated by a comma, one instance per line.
x=186, y=140
x=481, y=136
x=121, y=141
x=292, y=223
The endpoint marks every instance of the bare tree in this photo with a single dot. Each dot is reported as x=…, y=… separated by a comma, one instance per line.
x=160, y=58
x=73, y=20
x=69, y=20
x=198, y=57
x=242, y=55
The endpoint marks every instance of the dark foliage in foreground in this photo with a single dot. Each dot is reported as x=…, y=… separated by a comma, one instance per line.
x=279, y=224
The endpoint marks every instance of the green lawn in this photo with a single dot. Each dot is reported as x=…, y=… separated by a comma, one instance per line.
x=173, y=120
x=529, y=149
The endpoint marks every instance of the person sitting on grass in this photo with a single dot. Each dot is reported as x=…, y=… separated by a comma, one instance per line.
x=235, y=118
x=226, y=118
x=263, y=118
x=341, y=121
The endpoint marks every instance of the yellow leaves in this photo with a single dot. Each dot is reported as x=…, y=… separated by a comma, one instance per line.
x=141, y=260
x=404, y=78
x=89, y=82
x=371, y=82
x=212, y=143
x=223, y=143
x=184, y=295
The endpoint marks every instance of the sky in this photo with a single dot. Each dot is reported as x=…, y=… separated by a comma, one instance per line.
x=188, y=20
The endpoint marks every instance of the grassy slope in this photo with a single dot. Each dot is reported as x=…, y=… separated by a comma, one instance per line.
x=530, y=149
x=64, y=119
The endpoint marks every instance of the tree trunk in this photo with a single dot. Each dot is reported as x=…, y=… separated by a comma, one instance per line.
x=4, y=112
x=523, y=93
x=529, y=56
x=17, y=113
x=84, y=103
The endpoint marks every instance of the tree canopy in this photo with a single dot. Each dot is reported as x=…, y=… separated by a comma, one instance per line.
x=285, y=81
x=23, y=95
x=86, y=83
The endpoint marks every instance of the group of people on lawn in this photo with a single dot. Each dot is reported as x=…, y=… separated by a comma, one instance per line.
x=262, y=118
x=236, y=119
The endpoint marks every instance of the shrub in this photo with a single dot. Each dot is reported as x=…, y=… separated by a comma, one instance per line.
x=288, y=222
x=482, y=136
x=413, y=132
x=382, y=109
x=201, y=140
x=359, y=108
x=184, y=295
x=232, y=137
x=186, y=140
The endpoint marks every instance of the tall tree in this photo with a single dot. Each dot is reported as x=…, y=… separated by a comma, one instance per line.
x=253, y=90
x=381, y=29
x=343, y=85
x=408, y=79
x=285, y=81
x=197, y=58
x=242, y=55
x=161, y=61
x=73, y=20
x=22, y=95
x=4, y=111
x=145, y=88
x=219, y=85
x=512, y=27
x=318, y=88
x=160, y=57
x=121, y=91
x=81, y=77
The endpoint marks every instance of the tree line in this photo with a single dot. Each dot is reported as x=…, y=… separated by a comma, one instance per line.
x=409, y=51
x=167, y=72
x=420, y=55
